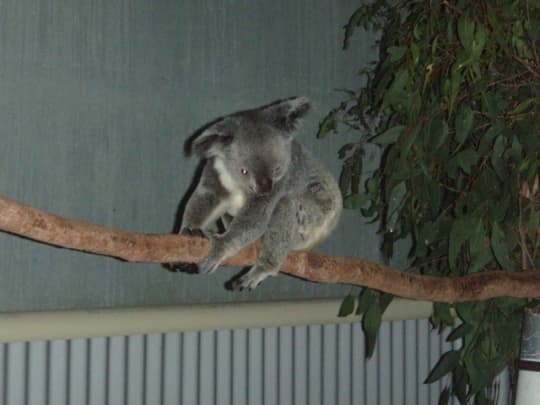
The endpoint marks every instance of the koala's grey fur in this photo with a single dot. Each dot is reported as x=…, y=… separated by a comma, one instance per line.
x=263, y=184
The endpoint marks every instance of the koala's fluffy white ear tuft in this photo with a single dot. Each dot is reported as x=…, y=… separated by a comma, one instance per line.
x=287, y=115
x=214, y=138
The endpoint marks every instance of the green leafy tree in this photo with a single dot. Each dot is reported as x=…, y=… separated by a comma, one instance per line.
x=453, y=103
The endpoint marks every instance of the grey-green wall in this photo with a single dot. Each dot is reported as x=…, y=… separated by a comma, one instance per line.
x=96, y=100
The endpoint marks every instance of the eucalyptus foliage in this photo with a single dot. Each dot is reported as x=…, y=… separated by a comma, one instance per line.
x=453, y=105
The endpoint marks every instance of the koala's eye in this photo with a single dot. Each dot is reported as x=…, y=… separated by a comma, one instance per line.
x=244, y=171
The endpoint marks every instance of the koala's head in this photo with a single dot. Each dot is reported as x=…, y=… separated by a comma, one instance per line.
x=254, y=146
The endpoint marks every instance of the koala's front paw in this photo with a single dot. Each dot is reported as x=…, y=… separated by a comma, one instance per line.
x=192, y=232
x=180, y=267
x=250, y=280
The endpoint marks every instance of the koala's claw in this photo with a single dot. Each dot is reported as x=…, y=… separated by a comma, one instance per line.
x=208, y=266
x=248, y=281
x=192, y=232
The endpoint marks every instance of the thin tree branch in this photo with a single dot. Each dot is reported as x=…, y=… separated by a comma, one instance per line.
x=29, y=222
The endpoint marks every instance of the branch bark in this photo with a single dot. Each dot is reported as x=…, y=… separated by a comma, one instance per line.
x=31, y=223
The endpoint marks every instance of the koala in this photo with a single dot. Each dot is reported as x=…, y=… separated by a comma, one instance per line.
x=263, y=185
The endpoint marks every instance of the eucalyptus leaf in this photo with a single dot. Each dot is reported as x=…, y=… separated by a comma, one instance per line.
x=354, y=21
x=385, y=300
x=479, y=42
x=438, y=132
x=327, y=125
x=347, y=306
x=442, y=316
x=444, y=398
x=345, y=178
x=464, y=122
x=500, y=247
x=466, y=159
x=486, y=141
x=477, y=240
x=466, y=31
x=456, y=79
x=389, y=136
x=459, y=234
x=480, y=260
x=471, y=312
x=397, y=95
x=396, y=52
x=355, y=201
x=515, y=150
x=497, y=161
x=395, y=201
x=365, y=299
x=371, y=322
x=446, y=364
x=460, y=332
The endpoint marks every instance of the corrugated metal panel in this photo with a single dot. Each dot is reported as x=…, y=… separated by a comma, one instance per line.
x=318, y=364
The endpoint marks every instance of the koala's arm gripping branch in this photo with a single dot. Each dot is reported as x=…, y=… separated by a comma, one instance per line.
x=31, y=223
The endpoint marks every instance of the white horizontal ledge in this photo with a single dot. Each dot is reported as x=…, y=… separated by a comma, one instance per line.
x=52, y=325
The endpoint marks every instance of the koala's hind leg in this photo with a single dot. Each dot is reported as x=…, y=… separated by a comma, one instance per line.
x=276, y=244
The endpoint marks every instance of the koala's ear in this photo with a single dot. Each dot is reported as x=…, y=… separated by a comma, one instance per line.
x=286, y=115
x=213, y=139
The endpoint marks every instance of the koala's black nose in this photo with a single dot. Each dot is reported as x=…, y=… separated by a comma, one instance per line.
x=265, y=186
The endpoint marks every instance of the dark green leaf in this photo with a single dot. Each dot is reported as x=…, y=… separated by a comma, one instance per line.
x=460, y=383
x=460, y=332
x=385, y=300
x=354, y=21
x=442, y=317
x=437, y=133
x=365, y=299
x=397, y=95
x=466, y=31
x=471, y=312
x=446, y=364
x=463, y=122
x=347, y=306
x=415, y=53
x=477, y=241
x=459, y=234
x=371, y=322
x=516, y=150
x=327, y=125
x=478, y=369
x=444, y=398
x=479, y=42
x=345, y=178
x=500, y=247
x=355, y=201
x=396, y=53
x=395, y=202
x=489, y=103
x=480, y=260
x=524, y=105
x=466, y=159
x=456, y=79
x=497, y=160
x=498, y=211
x=528, y=134
x=389, y=136
x=486, y=141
